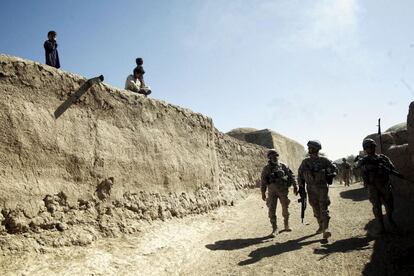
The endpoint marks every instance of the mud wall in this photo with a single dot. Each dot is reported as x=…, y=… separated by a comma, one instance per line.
x=291, y=152
x=144, y=144
x=111, y=161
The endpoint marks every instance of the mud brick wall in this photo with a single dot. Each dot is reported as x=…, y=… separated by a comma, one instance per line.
x=111, y=161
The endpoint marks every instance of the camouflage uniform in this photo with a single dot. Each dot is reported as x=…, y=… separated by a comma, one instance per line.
x=346, y=172
x=376, y=179
x=313, y=171
x=277, y=178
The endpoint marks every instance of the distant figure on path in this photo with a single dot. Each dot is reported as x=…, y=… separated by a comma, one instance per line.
x=51, y=52
x=346, y=172
x=134, y=84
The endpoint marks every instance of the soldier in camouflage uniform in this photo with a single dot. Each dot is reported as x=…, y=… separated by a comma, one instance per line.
x=317, y=172
x=346, y=172
x=276, y=179
x=375, y=173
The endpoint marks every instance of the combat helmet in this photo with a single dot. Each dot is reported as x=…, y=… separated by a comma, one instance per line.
x=315, y=143
x=368, y=143
x=272, y=151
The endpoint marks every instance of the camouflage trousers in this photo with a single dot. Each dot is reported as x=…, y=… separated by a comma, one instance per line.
x=346, y=178
x=380, y=192
x=276, y=192
x=319, y=200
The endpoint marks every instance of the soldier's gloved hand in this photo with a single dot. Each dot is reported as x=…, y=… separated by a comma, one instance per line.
x=295, y=190
x=264, y=196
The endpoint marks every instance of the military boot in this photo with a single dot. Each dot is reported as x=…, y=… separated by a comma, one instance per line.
x=326, y=234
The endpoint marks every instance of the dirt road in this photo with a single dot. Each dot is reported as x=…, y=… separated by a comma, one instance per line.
x=228, y=241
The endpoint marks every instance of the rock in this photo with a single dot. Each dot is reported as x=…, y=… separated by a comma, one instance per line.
x=2, y=228
x=103, y=190
x=60, y=227
x=397, y=127
x=15, y=222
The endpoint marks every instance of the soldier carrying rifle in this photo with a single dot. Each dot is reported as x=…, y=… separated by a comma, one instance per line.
x=317, y=172
x=376, y=170
x=276, y=179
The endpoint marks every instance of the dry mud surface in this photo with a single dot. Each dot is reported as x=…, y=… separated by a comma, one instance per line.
x=228, y=241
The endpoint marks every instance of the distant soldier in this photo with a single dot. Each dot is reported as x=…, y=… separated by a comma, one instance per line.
x=276, y=179
x=376, y=175
x=317, y=172
x=356, y=173
x=346, y=172
x=356, y=169
x=51, y=52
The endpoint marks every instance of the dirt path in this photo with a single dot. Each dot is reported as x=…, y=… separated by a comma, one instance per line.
x=229, y=241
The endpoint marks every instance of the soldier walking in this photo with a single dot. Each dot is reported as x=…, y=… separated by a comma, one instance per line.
x=376, y=176
x=276, y=179
x=317, y=172
x=346, y=172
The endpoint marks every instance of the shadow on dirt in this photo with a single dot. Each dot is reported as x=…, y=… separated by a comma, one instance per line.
x=344, y=246
x=358, y=194
x=237, y=243
x=393, y=253
x=277, y=249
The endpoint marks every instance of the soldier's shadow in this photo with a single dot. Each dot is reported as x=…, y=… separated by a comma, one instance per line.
x=237, y=243
x=359, y=194
x=344, y=246
x=277, y=249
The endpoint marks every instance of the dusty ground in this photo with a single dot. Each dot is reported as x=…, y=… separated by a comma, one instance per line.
x=228, y=241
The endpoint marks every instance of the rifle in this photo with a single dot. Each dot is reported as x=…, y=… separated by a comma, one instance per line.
x=393, y=172
x=302, y=200
x=379, y=134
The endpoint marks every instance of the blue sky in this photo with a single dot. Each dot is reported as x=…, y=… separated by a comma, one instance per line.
x=308, y=69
